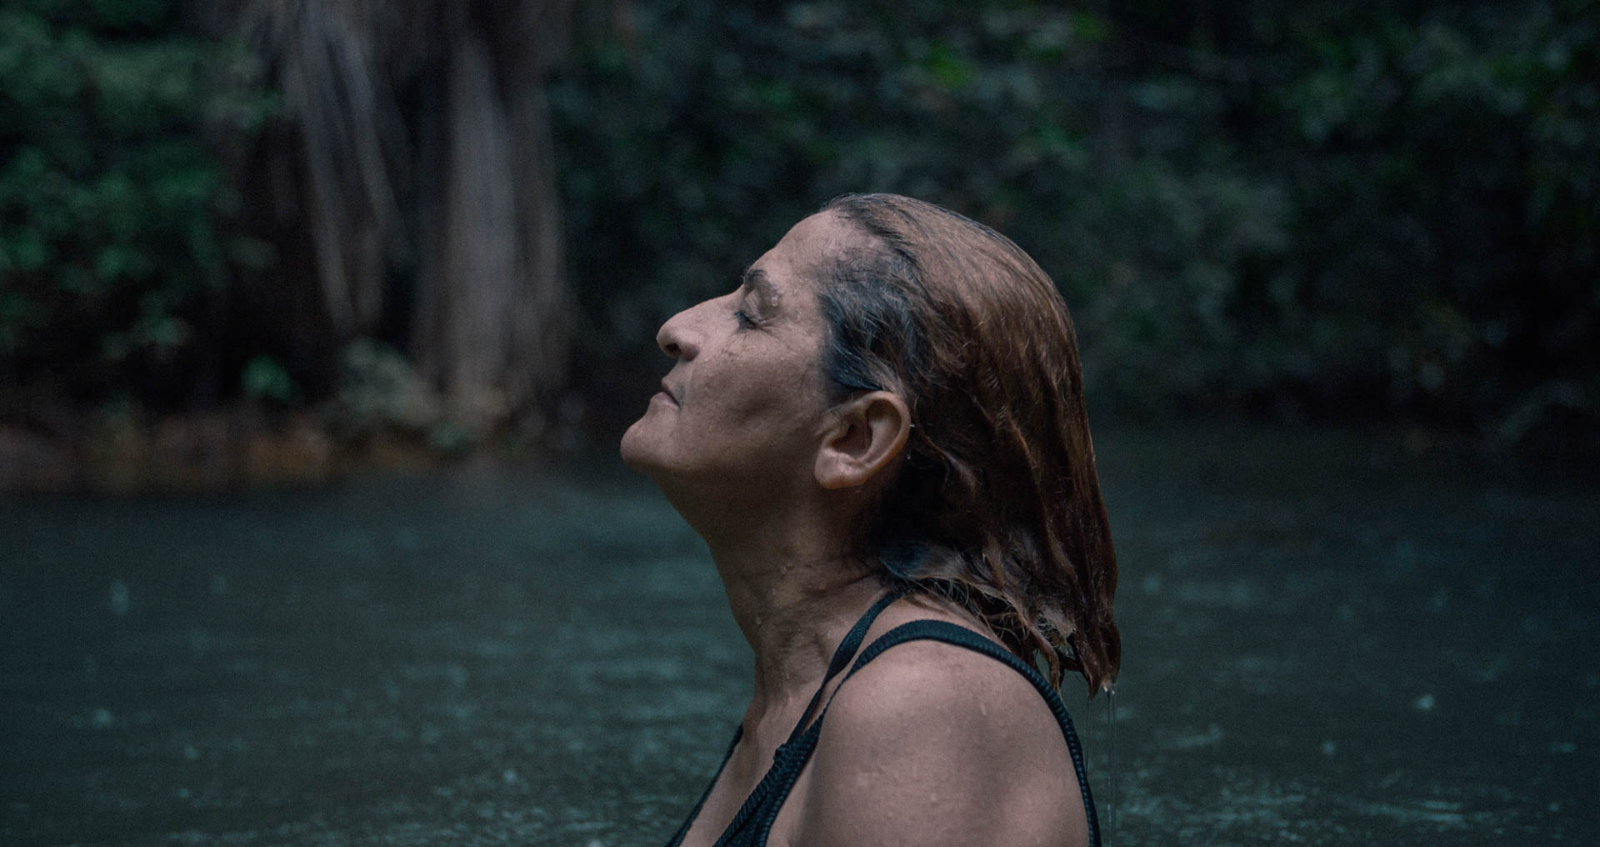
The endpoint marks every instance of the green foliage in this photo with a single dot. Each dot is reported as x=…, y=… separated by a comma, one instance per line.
x=379, y=389
x=1331, y=207
x=265, y=379
x=110, y=197
x=1444, y=168
x=1342, y=208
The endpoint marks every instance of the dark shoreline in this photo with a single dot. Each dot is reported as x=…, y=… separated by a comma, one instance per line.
x=244, y=448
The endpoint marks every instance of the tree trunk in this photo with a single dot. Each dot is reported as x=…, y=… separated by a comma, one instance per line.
x=492, y=308
x=471, y=165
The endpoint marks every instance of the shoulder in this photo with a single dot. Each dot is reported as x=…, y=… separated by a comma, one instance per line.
x=931, y=743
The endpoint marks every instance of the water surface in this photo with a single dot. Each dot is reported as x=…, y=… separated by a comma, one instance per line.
x=1326, y=643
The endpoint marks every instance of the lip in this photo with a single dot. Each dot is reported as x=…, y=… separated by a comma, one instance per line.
x=665, y=395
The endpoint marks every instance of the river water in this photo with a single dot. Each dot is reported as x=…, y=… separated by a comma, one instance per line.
x=1326, y=642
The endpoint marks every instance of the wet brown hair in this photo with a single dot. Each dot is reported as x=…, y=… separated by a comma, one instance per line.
x=996, y=504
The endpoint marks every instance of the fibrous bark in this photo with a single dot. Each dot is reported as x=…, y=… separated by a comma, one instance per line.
x=424, y=153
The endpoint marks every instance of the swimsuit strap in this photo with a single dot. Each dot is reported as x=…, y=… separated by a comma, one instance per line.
x=841, y=657
x=949, y=633
x=677, y=838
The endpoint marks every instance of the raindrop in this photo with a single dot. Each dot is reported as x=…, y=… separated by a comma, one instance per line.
x=1423, y=703
x=119, y=597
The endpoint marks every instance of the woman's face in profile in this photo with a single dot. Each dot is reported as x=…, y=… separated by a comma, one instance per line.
x=745, y=400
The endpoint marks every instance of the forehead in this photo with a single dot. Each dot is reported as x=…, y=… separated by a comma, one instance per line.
x=793, y=261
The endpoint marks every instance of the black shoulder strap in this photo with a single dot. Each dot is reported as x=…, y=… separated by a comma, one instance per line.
x=841, y=656
x=960, y=636
x=683, y=830
x=780, y=777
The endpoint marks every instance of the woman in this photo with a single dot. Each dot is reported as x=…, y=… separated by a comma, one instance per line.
x=882, y=425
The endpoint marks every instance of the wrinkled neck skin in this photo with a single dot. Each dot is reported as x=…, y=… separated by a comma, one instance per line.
x=792, y=584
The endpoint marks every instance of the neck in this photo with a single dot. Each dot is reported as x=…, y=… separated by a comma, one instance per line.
x=793, y=610
x=794, y=590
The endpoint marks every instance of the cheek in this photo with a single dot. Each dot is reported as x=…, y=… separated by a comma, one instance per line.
x=761, y=393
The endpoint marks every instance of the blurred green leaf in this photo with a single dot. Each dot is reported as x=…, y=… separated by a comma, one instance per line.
x=264, y=378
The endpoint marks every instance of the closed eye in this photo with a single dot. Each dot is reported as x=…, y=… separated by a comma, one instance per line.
x=745, y=320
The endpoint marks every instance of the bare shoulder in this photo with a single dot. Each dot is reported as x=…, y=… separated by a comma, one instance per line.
x=933, y=744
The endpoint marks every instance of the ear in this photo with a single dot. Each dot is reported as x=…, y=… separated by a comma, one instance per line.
x=867, y=434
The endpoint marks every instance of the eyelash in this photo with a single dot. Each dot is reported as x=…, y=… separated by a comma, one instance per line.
x=745, y=320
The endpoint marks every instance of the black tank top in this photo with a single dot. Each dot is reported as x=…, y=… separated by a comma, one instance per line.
x=752, y=823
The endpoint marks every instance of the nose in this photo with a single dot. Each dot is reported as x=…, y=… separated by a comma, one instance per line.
x=677, y=337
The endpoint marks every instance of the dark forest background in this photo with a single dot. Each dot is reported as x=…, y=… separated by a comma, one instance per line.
x=448, y=224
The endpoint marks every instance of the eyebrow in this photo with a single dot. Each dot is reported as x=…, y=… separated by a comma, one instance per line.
x=757, y=280
x=754, y=277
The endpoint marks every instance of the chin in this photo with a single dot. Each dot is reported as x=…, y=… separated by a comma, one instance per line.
x=635, y=448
